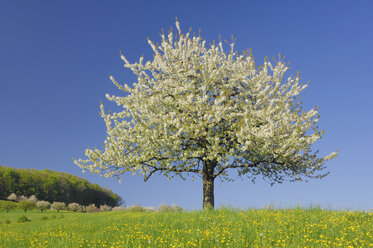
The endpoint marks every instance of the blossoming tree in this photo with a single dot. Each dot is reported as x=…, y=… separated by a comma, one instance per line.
x=197, y=109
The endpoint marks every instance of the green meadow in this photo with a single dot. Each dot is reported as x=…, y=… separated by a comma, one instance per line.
x=312, y=227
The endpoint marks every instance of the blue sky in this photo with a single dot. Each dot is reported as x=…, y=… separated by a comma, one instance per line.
x=56, y=58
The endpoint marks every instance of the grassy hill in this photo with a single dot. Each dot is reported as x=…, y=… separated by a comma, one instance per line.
x=220, y=228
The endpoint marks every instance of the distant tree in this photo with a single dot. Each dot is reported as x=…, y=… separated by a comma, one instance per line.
x=164, y=208
x=167, y=208
x=33, y=198
x=176, y=208
x=11, y=179
x=135, y=208
x=105, y=208
x=22, y=198
x=12, y=197
x=3, y=192
x=8, y=205
x=43, y=205
x=26, y=205
x=53, y=187
x=149, y=208
x=27, y=183
x=75, y=207
x=91, y=208
x=203, y=111
x=58, y=206
x=118, y=208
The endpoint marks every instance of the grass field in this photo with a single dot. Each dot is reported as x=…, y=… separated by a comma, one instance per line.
x=221, y=228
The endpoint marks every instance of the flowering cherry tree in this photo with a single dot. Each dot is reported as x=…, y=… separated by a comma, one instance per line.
x=198, y=109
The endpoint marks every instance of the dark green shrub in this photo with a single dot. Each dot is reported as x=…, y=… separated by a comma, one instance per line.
x=44, y=218
x=22, y=219
x=7, y=222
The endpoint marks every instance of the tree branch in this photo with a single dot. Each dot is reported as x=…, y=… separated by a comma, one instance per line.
x=172, y=169
x=233, y=167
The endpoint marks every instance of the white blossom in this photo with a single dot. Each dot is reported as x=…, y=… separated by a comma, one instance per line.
x=42, y=205
x=195, y=102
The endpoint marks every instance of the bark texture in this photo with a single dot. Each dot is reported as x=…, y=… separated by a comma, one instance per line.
x=208, y=184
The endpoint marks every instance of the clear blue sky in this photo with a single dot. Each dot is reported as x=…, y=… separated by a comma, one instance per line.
x=56, y=58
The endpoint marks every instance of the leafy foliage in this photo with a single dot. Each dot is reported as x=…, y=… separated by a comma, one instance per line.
x=22, y=198
x=75, y=207
x=12, y=197
x=167, y=208
x=33, y=198
x=7, y=205
x=118, y=208
x=58, y=206
x=105, y=208
x=43, y=205
x=52, y=186
x=91, y=208
x=135, y=208
x=26, y=205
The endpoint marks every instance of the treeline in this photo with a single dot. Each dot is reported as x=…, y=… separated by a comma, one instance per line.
x=54, y=186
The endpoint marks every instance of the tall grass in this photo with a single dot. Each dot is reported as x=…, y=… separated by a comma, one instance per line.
x=312, y=227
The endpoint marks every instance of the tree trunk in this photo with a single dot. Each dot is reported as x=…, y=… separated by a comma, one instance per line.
x=208, y=184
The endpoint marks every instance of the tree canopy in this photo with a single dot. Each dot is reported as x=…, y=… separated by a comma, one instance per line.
x=53, y=186
x=198, y=109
